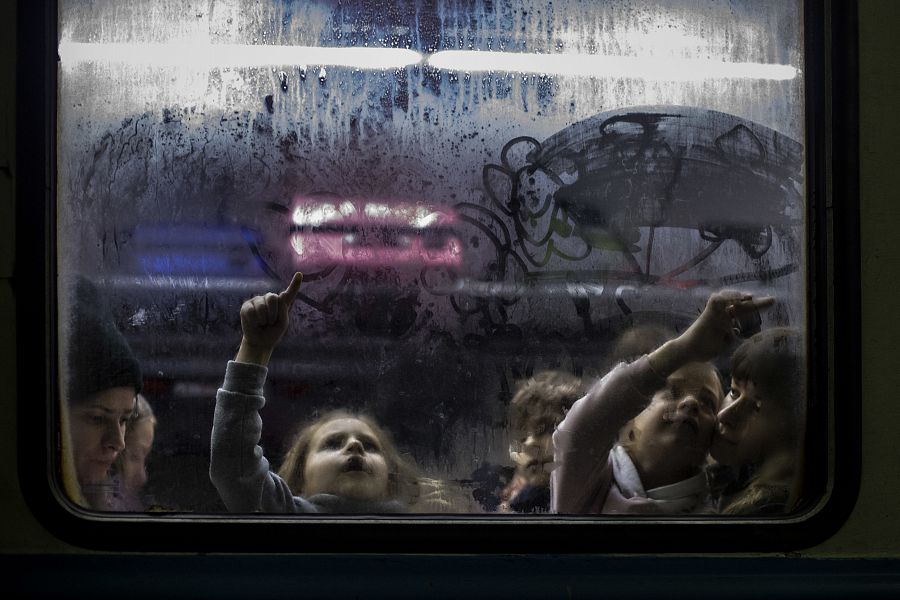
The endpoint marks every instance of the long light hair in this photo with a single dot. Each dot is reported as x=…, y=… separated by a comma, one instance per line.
x=402, y=477
x=142, y=412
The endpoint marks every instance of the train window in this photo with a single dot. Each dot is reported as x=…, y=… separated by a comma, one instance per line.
x=531, y=263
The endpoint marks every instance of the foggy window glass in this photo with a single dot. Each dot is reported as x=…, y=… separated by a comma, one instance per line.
x=499, y=209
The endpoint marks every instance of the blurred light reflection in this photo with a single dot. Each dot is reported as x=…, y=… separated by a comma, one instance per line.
x=375, y=234
x=597, y=65
x=205, y=55
x=201, y=54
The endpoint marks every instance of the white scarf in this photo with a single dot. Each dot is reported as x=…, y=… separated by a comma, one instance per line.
x=679, y=497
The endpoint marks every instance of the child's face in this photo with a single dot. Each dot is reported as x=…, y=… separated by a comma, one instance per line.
x=533, y=454
x=679, y=422
x=345, y=458
x=750, y=425
x=98, y=432
x=138, y=443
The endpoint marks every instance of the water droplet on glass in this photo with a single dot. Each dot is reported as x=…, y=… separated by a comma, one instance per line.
x=322, y=75
x=283, y=78
x=302, y=74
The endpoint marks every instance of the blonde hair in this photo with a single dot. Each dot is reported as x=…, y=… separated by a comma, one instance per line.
x=402, y=477
x=142, y=412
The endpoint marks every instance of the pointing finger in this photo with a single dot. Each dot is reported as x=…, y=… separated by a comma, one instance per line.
x=764, y=302
x=290, y=294
x=751, y=303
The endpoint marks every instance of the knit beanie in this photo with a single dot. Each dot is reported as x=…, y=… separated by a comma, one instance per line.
x=99, y=356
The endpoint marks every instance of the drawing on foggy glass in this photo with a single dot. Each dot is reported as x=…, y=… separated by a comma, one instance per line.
x=553, y=257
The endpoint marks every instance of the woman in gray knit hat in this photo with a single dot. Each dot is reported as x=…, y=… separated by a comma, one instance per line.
x=104, y=379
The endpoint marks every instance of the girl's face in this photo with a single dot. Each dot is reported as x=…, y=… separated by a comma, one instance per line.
x=345, y=458
x=751, y=426
x=98, y=432
x=137, y=447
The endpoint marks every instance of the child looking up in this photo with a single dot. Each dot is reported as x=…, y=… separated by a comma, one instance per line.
x=341, y=463
x=661, y=409
x=344, y=462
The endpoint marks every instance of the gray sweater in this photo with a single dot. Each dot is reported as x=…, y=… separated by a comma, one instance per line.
x=238, y=468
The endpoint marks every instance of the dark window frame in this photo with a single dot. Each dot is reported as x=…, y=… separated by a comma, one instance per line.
x=834, y=292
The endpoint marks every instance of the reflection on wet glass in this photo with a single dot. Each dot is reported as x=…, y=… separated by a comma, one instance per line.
x=483, y=200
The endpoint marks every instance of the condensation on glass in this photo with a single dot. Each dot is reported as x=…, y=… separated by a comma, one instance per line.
x=476, y=193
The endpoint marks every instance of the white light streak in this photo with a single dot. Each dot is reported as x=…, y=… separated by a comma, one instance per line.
x=205, y=55
x=596, y=65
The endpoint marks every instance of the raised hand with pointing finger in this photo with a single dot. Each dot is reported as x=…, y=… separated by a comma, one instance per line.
x=723, y=320
x=264, y=319
x=339, y=463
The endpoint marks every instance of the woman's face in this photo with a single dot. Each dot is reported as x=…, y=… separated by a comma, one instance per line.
x=750, y=426
x=98, y=432
x=345, y=458
x=138, y=444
